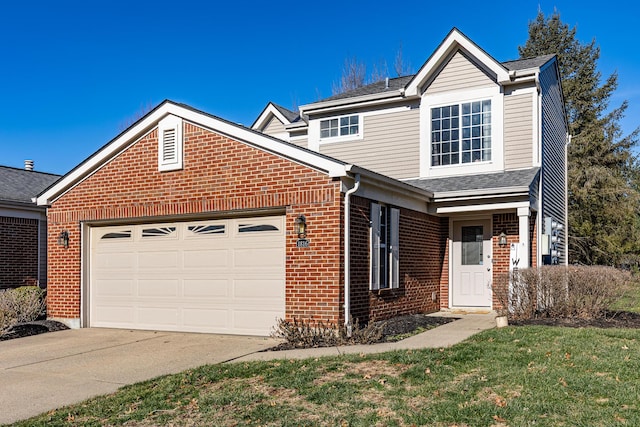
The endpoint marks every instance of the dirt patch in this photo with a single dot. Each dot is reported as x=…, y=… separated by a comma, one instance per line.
x=613, y=319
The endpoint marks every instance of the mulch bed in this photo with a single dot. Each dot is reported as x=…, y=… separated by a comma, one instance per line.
x=611, y=319
x=32, y=328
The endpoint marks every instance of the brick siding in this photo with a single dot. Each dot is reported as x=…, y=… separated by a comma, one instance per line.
x=18, y=251
x=422, y=250
x=219, y=175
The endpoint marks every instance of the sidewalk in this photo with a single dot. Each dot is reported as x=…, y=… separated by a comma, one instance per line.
x=468, y=324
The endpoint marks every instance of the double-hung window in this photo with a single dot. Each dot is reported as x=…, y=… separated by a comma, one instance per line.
x=461, y=133
x=340, y=126
x=385, y=247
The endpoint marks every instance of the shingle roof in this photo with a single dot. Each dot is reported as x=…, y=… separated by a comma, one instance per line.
x=523, y=64
x=289, y=115
x=500, y=180
x=378, y=87
x=19, y=185
x=400, y=82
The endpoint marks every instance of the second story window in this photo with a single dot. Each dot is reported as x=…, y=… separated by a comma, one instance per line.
x=341, y=126
x=461, y=133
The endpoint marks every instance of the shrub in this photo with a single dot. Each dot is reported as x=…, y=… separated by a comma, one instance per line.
x=19, y=305
x=584, y=292
x=309, y=333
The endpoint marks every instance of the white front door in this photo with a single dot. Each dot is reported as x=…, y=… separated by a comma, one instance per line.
x=471, y=264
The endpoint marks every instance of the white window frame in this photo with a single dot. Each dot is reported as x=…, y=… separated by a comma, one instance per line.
x=384, y=250
x=173, y=159
x=496, y=163
x=339, y=136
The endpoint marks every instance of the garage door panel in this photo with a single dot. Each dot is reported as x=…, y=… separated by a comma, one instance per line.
x=158, y=288
x=207, y=259
x=114, y=287
x=206, y=288
x=202, y=276
x=158, y=260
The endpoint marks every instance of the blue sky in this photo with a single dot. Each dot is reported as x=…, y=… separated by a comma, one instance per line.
x=74, y=74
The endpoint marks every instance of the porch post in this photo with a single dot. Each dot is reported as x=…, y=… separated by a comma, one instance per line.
x=523, y=236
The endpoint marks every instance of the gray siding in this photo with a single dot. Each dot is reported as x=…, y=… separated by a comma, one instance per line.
x=301, y=142
x=391, y=145
x=554, y=132
x=274, y=126
x=518, y=131
x=459, y=73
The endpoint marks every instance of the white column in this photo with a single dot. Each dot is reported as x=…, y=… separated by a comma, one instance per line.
x=523, y=235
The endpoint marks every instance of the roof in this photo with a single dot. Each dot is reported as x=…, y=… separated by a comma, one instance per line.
x=374, y=88
x=523, y=64
x=290, y=115
x=499, y=182
x=20, y=185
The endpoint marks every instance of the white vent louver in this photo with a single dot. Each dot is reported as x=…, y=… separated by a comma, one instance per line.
x=170, y=142
x=169, y=148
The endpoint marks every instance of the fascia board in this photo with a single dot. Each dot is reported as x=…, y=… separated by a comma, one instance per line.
x=270, y=109
x=385, y=182
x=480, y=193
x=453, y=41
x=296, y=125
x=357, y=101
x=330, y=166
x=481, y=207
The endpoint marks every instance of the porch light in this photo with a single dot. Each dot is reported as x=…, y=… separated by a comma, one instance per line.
x=301, y=226
x=63, y=238
x=502, y=240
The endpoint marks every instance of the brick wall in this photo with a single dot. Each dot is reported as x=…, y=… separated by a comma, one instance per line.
x=422, y=250
x=18, y=251
x=219, y=175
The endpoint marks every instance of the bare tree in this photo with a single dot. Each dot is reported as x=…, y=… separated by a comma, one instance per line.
x=142, y=111
x=354, y=75
x=402, y=67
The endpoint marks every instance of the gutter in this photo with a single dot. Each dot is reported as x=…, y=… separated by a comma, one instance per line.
x=347, y=257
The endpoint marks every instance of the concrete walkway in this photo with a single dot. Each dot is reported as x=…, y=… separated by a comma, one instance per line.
x=451, y=333
x=48, y=371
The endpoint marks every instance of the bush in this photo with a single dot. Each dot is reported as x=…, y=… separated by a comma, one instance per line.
x=309, y=333
x=585, y=292
x=19, y=305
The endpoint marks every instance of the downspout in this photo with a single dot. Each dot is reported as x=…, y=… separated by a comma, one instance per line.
x=347, y=256
x=566, y=199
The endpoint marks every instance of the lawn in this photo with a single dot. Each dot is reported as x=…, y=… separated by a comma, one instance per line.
x=516, y=376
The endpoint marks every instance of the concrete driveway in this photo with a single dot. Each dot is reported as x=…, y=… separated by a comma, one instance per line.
x=47, y=371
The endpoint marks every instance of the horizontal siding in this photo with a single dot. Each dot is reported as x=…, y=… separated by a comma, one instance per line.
x=459, y=73
x=274, y=127
x=518, y=131
x=301, y=142
x=391, y=145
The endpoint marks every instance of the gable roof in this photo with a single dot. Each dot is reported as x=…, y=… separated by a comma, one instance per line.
x=21, y=186
x=285, y=116
x=523, y=64
x=481, y=184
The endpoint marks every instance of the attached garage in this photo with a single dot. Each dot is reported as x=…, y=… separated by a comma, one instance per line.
x=221, y=276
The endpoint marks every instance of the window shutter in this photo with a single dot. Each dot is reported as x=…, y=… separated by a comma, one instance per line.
x=375, y=247
x=394, y=253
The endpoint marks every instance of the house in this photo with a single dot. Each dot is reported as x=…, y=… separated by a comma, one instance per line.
x=23, y=226
x=409, y=195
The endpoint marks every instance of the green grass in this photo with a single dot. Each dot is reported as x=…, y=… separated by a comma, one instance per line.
x=515, y=376
x=630, y=300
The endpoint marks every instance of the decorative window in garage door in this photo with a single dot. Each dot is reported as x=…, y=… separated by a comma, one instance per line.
x=158, y=232
x=254, y=228
x=125, y=234
x=206, y=229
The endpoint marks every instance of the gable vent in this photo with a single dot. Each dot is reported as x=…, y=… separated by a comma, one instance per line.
x=169, y=148
x=170, y=143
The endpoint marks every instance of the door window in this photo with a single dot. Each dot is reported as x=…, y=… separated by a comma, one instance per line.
x=472, y=238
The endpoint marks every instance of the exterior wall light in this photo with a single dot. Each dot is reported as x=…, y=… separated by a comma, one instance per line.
x=502, y=240
x=301, y=226
x=63, y=238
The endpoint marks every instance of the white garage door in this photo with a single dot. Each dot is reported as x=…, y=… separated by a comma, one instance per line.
x=222, y=276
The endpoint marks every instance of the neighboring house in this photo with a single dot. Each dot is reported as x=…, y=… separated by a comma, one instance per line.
x=426, y=188
x=23, y=227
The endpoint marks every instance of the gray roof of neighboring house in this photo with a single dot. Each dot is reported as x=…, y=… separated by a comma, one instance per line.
x=489, y=181
x=290, y=115
x=20, y=185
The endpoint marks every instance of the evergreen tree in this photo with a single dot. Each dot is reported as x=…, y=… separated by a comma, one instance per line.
x=603, y=173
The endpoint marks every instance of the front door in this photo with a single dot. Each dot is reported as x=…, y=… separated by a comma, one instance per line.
x=471, y=264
